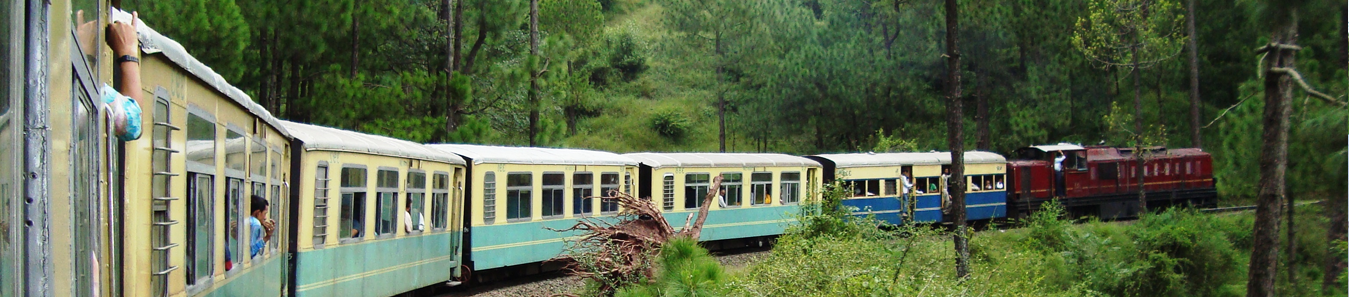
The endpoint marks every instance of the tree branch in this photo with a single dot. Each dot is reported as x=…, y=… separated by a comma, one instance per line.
x=1307, y=88
x=1215, y=120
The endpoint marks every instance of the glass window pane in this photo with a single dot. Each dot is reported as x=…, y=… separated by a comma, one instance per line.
x=695, y=189
x=200, y=140
x=731, y=189
x=234, y=150
x=518, y=194
x=608, y=184
x=553, y=193
x=582, y=188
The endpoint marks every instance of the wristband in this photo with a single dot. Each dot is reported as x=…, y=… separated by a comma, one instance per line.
x=127, y=58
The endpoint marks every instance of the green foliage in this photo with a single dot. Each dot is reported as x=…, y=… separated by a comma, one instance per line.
x=213, y=31
x=670, y=123
x=686, y=269
x=892, y=143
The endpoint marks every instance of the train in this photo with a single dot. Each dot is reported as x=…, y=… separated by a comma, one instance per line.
x=84, y=213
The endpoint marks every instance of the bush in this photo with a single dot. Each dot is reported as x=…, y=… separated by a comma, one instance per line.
x=686, y=269
x=671, y=124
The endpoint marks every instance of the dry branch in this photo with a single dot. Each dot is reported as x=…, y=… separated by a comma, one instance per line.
x=617, y=252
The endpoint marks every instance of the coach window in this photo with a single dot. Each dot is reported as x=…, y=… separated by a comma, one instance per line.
x=489, y=198
x=257, y=167
x=761, y=187
x=627, y=183
x=277, y=202
x=668, y=186
x=791, y=187
x=582, y=188
x=200, y=152
x=695, y=187
x=386, y=207
x=235, y=226
x=554, y=190
x=731, y=183
x=320, y=204
x=416, y=188
x=608, y=184
x=353, y=201
x=891, y=187
x=519, y=190
x=440, y=198
x=161, y=197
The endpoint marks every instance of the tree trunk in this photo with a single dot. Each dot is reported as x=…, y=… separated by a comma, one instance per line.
x=984, y=142
x=1195, y=139
x=1334, y=264
x=721, y=98
x=1139, y=146
x=355, y=36
x=1291, y=258
x=265, y=57
x=458, y=23
x=1273, y=163
x=293, y=98
x=477, y=44
x=955, y=137
x=451, y=49
x=274, y=78
x=534, y=73
x=1161, y=105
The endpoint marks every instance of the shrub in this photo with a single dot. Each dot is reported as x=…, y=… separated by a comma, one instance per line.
x=686, y=269
x=671, y=124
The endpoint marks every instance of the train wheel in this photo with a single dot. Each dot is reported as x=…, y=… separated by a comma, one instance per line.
x=465, y=275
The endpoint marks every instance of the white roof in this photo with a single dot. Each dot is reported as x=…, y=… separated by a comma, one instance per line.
x=533, y=155
x=154, y=43
x=1058, y=147
x=658, y=160
x=333, y=139
x=901, y=159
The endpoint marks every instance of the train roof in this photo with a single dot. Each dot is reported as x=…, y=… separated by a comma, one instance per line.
x=480, y=154
x=154, y=43
x=1058, y=147
x=658, y=160
x=900, y=159
x=333, y=139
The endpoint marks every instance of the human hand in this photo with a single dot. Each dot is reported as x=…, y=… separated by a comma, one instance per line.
x=122, y=36
x=85, y=32
x=269, y=225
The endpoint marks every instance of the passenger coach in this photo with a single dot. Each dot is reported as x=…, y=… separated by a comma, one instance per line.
x=377, y=216
x=762, y=191
x=207, y=149
x=515, y=194
x=877, y=181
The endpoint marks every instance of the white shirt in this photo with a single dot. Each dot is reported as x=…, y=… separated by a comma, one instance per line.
x=1058, y=162
x=407, y=222
x=907, y=184
x=721, y=200
x=999, y=185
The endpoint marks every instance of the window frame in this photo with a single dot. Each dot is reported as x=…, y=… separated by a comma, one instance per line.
x=756, y=198
x=322, y=198
x=667, y=184
x=489, y=193
x=691, y=190
x=418, y=204
x=364, y=190
x=784, y=183
x=604, y=190
x=390, y=207
x=204, y=222
x=444, y=201
x=561, y=198
x=523, y=198
x=582, y=205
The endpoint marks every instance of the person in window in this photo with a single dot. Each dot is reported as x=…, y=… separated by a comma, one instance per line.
x=721, y=198
x=998, y=183
x=908, y=185
x=988, y=184
x=1058, y=175
x=126, y=99
x=945, y=193
x=261, y=228
x=356, y=228
x=407, y=219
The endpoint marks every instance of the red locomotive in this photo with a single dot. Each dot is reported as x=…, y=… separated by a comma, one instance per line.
x=1104, y=181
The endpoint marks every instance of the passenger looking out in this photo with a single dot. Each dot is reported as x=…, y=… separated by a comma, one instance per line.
x=908, y=185
x=1058, y=175
x=721, y=198
x=259, y=225
x=988, y=184
x=998, y=184
x=407, y=219
x=945, y=194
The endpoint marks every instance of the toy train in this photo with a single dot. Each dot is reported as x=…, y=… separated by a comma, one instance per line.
x=85, y=214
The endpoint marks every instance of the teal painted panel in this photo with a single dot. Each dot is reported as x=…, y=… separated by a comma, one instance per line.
x=504, y=245
x=375, y=267
x=261, y=280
